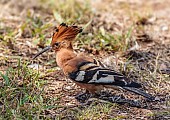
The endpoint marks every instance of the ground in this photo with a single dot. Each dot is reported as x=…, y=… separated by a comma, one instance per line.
x=131, y=37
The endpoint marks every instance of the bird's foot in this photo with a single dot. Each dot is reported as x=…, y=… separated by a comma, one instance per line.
x=82, y=97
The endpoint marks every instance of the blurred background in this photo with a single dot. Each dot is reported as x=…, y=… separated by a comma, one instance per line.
x=109, y=25
x=131, y=36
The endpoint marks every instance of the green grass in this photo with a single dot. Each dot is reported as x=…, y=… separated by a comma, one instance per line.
x=21, y=94
x=95, y=112
x=8, y=37
x=70, y=11
x=35, y=27
x=103, y=40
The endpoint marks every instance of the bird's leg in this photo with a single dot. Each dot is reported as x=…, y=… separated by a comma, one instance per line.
x=83, y=96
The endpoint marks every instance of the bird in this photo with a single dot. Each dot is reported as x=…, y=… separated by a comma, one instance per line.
x=84, y=71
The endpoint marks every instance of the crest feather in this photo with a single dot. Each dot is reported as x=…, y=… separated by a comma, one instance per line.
x=65, y=32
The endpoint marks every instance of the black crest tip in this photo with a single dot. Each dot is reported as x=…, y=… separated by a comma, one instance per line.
x=74, y=26
x=56, y=29
x=80, y=30
x=64, y=24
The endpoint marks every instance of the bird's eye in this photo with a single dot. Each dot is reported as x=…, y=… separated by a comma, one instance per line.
x=57, y=44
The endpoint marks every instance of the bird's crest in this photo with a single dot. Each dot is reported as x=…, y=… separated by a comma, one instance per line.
x=65, y=32
x=62, y=34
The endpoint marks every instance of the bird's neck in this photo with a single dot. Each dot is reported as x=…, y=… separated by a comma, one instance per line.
x=64, y=55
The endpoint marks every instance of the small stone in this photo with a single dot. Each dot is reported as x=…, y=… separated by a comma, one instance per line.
x=35, y=66
x=164, y=28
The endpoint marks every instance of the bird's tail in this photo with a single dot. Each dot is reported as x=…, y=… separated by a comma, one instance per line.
x=134, y=84
x=139, y=92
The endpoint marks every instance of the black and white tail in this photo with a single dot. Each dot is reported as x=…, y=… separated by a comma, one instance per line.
x=139, y=92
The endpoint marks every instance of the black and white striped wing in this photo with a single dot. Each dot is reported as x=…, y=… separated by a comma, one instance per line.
x=92, y=74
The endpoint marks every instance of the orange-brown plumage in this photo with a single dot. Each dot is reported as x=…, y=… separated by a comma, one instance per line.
x=65, y=56
x=65, y=33
x=68, y=61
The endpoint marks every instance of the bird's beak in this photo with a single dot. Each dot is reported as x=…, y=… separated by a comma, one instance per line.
x=42, y=51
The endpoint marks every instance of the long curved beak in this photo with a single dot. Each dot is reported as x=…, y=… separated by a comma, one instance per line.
x=42, y=51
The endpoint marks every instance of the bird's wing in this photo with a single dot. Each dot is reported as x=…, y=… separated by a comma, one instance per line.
x=90, y=73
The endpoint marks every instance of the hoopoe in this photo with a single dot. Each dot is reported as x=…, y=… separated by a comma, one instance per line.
x=85, y=71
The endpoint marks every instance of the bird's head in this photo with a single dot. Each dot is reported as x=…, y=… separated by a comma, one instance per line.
x=62, y=38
